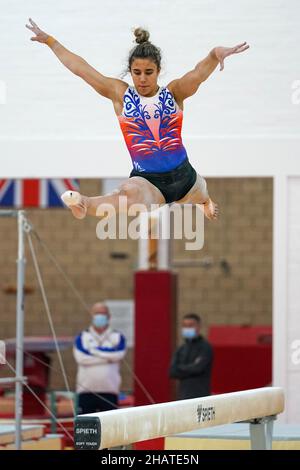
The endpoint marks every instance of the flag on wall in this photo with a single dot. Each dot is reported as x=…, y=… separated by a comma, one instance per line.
x=35, y=192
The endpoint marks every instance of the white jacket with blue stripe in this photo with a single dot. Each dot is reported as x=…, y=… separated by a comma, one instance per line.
x=98, y=358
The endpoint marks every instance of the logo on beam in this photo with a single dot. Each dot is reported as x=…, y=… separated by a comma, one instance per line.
x=206, y=413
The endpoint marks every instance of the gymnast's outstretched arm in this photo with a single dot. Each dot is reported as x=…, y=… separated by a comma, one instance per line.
x=189, y=83
x=108, y=87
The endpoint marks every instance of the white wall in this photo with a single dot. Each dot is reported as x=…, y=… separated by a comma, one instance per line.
x=293, y=300
x=251, y=96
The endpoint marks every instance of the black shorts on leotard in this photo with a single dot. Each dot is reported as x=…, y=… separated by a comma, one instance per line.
x=174, y=184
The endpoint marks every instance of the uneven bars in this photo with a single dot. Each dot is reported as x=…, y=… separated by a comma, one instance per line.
x=8, y=213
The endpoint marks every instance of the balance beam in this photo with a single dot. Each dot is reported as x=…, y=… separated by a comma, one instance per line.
x=128, y=425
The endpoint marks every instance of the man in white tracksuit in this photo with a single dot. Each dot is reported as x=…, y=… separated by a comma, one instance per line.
x=98, y=352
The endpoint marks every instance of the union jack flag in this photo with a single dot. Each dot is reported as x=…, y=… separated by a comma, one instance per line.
x=35, y=192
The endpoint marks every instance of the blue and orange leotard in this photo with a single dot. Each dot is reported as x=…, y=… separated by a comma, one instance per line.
x=151, y=127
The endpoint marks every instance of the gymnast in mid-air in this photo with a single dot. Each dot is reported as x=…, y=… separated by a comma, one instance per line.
x=150, y=117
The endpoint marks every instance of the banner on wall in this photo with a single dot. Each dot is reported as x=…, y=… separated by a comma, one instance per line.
x=41, y=193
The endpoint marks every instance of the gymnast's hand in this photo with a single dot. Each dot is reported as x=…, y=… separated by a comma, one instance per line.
x=40, y=35
x=222, y=52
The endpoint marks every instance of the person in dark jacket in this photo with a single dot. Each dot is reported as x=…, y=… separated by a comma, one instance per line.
x=192, y=362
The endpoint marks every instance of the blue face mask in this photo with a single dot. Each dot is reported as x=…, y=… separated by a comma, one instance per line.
x=188, y=333
x=100, y=320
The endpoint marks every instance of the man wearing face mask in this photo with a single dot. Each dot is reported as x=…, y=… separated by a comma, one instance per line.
x=98, y=352
x=192, y=362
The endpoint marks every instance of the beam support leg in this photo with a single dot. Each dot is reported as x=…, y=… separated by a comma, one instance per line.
x=261, y=433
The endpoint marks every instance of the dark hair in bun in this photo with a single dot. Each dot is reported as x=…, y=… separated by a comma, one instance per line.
x=141, y=35
x=144, y=49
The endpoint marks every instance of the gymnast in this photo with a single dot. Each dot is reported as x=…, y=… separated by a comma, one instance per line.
x=150, y=117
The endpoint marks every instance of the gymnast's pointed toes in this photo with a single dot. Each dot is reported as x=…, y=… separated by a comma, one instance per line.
x=71, y=198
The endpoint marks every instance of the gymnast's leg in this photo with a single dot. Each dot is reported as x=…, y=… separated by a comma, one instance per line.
x=198, y=194
x=135, y=189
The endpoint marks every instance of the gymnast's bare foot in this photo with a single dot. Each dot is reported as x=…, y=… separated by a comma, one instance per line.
x=211, y=210
x=77, y=203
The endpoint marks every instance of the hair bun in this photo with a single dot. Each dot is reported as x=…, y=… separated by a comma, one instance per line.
x=141, y=35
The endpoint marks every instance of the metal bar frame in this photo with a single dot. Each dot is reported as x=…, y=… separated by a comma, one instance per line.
x=19, y=379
